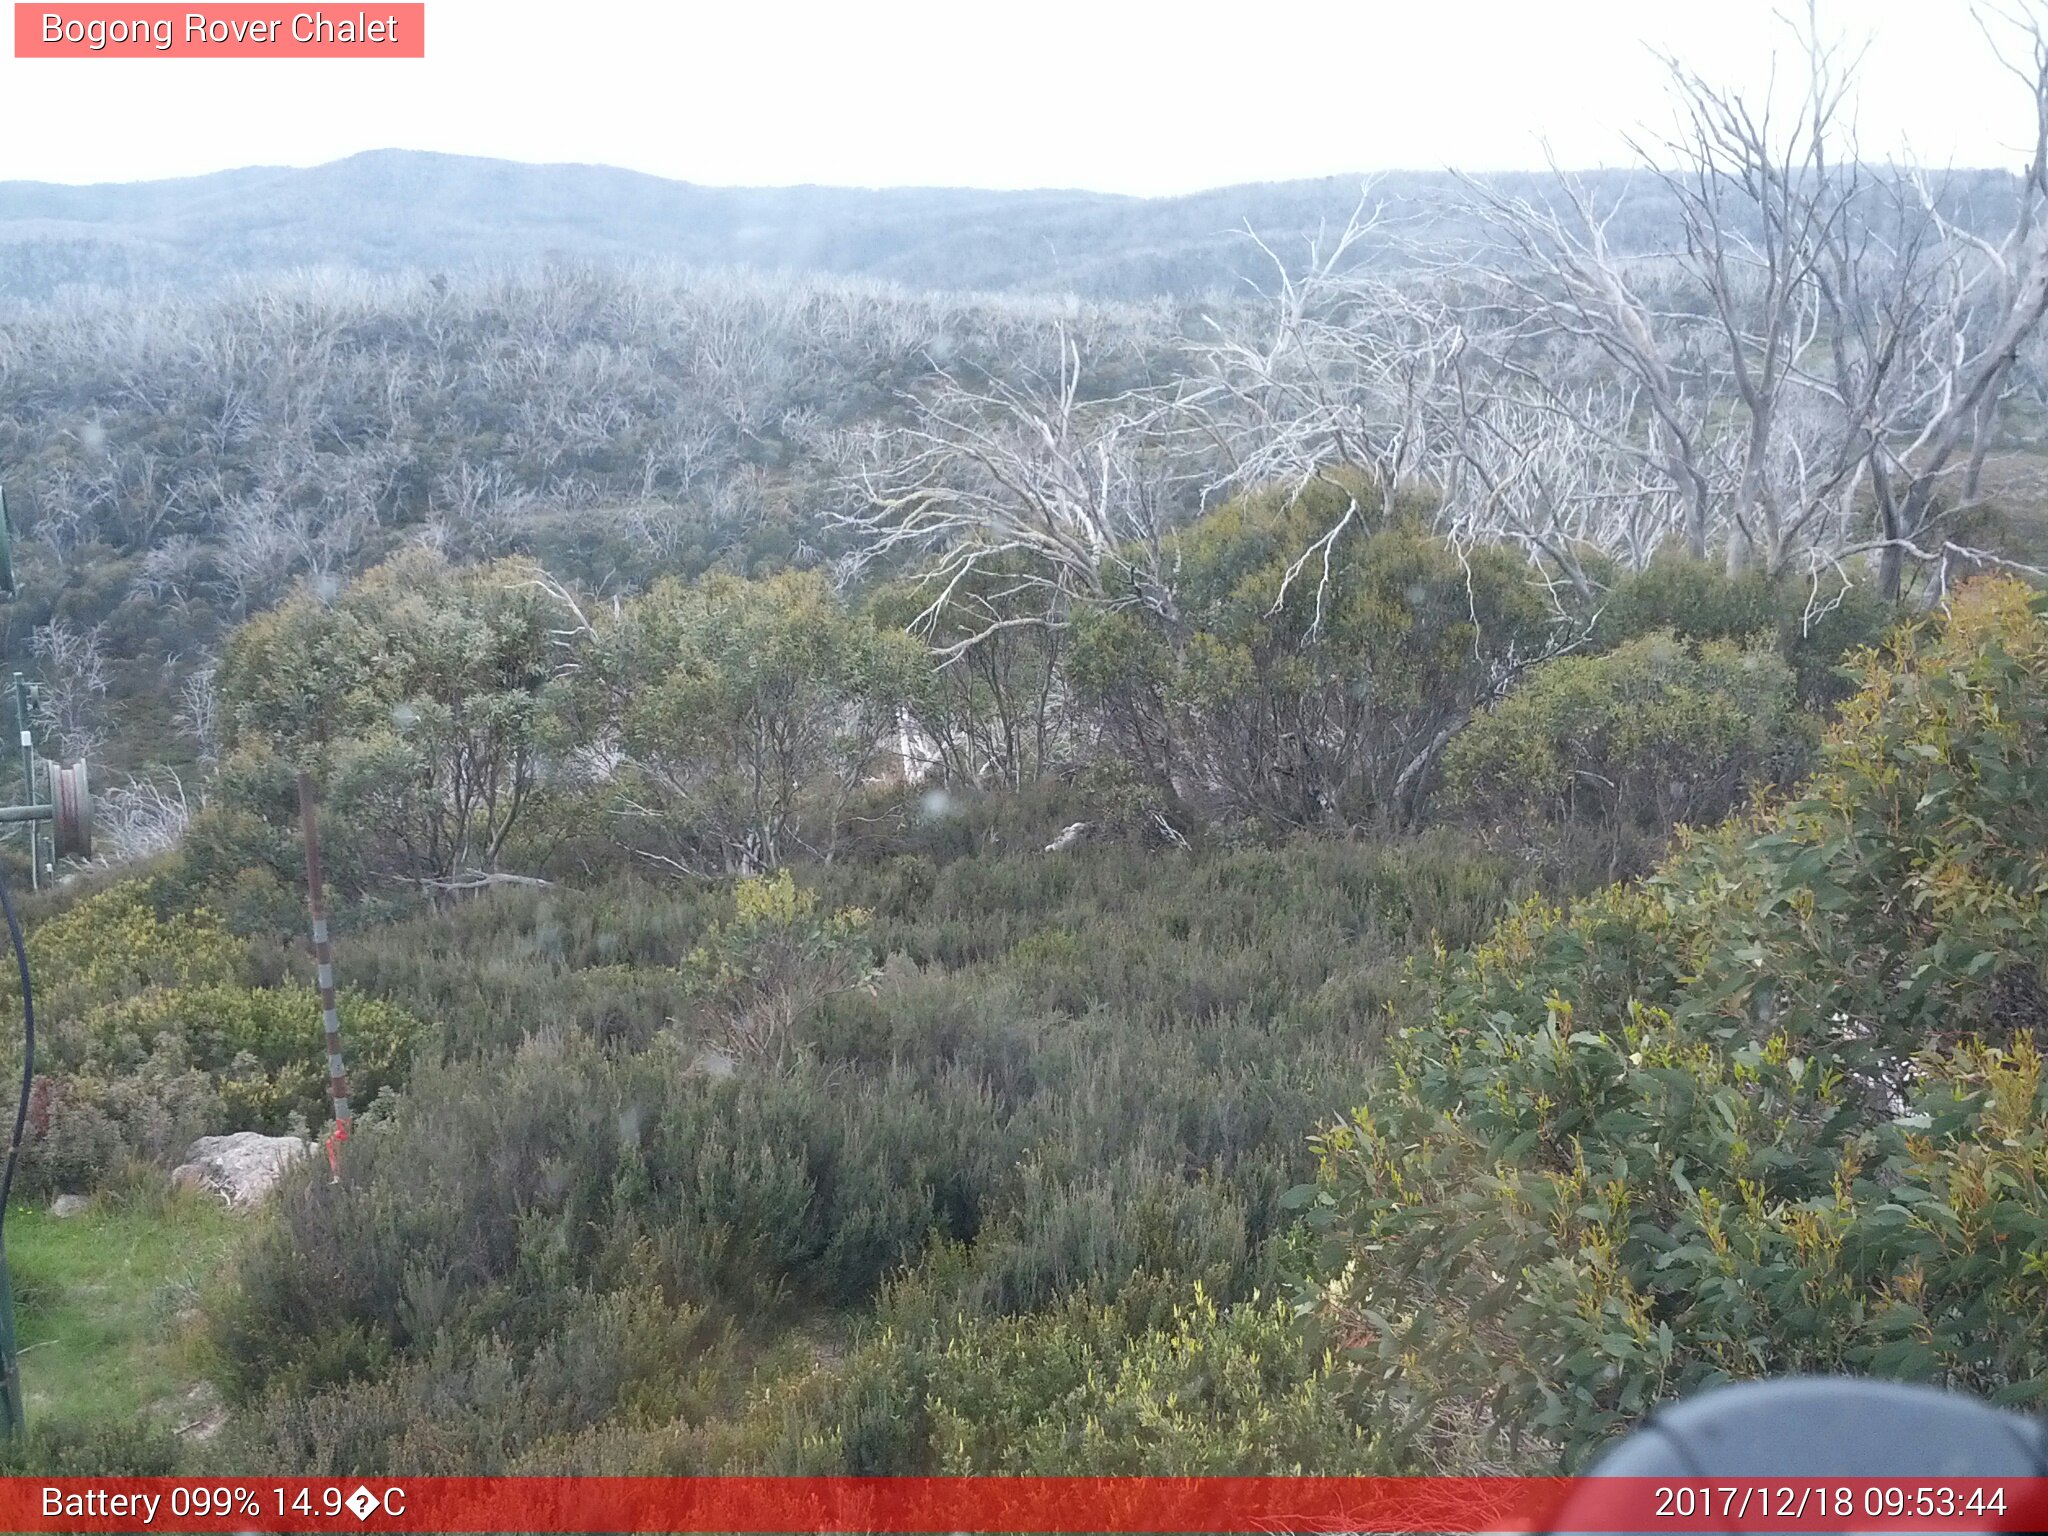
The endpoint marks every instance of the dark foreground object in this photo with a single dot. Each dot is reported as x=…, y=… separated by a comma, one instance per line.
x=1822, y=1427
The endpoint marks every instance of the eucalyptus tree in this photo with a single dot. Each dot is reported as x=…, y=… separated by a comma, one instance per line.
x=747, y=714
x=428, y=698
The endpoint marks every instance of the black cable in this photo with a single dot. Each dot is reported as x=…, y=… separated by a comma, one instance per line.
x=28, y=1052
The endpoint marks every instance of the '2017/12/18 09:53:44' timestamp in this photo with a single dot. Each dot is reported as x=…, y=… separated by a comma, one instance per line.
x=1741, y=1498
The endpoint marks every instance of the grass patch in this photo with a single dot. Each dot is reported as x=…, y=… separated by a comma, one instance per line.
x=106, y=1306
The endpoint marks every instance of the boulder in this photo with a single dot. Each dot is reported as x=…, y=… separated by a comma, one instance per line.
x=1068, y=838
x=241, y=1167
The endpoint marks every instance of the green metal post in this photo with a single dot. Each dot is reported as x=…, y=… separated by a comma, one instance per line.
x=10, y=1368
x=28, y=781
x=15, y=1420
x=10, y=1364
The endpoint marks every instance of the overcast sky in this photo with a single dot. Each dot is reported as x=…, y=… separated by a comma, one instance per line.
x=1115, y=95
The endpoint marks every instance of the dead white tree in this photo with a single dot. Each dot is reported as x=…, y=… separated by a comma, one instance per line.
x=1340, y=370
x=1348, y=370
x=142, y=818
x=1340, y=373
x=1557, y=284
x=71, y=703
x=198, y=714
x=1561, y=479
x=1828, y=338
x=1071, y=496
x=1980, y=301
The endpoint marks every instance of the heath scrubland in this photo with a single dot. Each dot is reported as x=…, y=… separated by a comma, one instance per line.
x=1378, y=875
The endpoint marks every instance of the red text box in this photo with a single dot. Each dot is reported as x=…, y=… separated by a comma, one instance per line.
x=224, y=31
x=1060, y=1506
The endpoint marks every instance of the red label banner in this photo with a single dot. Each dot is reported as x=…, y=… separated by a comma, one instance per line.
x=1035, y=1504
x=224, y=31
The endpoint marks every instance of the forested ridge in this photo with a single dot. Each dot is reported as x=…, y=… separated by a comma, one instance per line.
x=1375, y=873
x=395, y=212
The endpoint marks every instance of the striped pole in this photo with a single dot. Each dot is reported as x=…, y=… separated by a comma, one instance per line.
x=323, y=957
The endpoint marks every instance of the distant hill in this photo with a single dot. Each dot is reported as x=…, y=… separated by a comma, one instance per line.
x=399, y=210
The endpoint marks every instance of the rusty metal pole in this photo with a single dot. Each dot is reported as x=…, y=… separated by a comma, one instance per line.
x=323, y=957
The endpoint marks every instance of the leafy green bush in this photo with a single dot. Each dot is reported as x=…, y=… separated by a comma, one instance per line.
x=506, y=1191
x=1086, y=1078
x=262, y=1048
x=1329, y=706
x=995, y=713
x=632, y=1385
x=1651, y=734
x=68, y=1449
x=151, y=1037
x=115, y=945
x=764, y=972
x=1781, y=1109
x=1815, y=628
x=87, y=1125
x=424, y=696
x=626, y=1359
x=741, y=707
x=241, y=855
x=1208, y=1391
x=1134, y=1236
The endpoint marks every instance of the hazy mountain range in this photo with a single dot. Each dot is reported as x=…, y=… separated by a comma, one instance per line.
x=403, y=210
x=399, y=210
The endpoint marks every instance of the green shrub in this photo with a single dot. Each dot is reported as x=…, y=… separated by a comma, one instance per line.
x=263, y=1049
x=243, y=843
x=150, y=1037
x=1649, y=735
x=87, y=1126
x=493, y=968
x=1814, y=627
x=1134, y=1237
x=116, y=945
x=515, y=1185
x=424, y=697
x=1778, y=1110
x=68, y=1449
x=764, y=972
x=994, y=714
x=1083, y=1079
x=626, y=1359
x=1327, y=707
x=1209, y=1391
x=743, y=706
